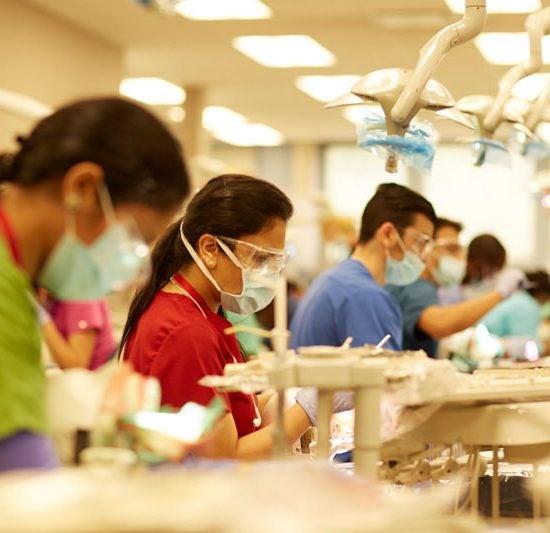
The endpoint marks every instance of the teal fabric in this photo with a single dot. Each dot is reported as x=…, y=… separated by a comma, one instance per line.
x=517, y=316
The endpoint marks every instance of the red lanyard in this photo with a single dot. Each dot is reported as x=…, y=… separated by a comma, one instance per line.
x=6, y=229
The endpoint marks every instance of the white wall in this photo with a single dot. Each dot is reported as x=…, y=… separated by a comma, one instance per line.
x=50, y=60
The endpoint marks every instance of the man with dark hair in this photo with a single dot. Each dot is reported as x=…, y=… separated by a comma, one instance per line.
x=349, y=300
x=425, y=320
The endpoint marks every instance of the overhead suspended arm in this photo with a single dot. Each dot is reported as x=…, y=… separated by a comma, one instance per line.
x=471, y=24
x=537, y=26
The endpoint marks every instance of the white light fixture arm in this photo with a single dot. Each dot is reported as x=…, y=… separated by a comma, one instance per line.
x=471, y=24
x=537, y=26
x=537, y=110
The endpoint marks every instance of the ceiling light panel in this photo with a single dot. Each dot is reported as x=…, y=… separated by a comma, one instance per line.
x=502, y=48
x=284, y=51
x=529, y=88
x=152, y=91
x=250, y=134
x=499, y=6
x=218, y=117
x=326, y=88
x=222, y=9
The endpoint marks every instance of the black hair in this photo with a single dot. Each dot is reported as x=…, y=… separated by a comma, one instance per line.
x=540, y=283
x=396, y=204
x=486, y=255
x=447, y=223
x=141, y=159
x=230, y=205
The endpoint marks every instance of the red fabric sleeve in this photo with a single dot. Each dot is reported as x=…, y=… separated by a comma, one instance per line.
x=72, y=317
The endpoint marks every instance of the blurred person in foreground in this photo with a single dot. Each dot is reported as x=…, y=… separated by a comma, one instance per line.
x=87, y=189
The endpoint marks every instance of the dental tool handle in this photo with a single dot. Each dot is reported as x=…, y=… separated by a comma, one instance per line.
x=324, y=413
x=471, y=24
x=383, y=341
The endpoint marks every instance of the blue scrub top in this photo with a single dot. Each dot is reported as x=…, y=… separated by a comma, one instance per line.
x=413, y=299
x=346, y=301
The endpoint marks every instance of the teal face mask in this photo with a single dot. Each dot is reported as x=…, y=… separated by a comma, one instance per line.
x=403, y=272
x=450, y=271
x=76, y=271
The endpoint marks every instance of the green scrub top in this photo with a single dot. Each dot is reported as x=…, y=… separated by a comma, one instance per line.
x=22, y=380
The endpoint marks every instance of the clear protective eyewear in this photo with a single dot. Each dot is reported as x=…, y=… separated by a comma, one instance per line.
x=446, y=246
x=421, y=242
x=257, y=257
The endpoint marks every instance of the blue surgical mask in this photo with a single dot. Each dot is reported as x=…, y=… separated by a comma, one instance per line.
x=76, y=271
x=259, y=285
x=403, y=272
x=450, y=271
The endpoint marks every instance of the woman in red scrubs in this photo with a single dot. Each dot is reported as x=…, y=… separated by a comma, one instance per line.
x=225, y=253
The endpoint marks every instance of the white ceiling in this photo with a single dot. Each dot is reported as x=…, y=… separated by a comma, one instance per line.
x=199, y=53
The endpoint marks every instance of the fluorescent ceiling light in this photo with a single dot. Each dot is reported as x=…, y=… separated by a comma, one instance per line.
x=530, y=87
x=284, y=51
x=176, y=114
x=217, y=117
x=358, y=112
x=222, y=9
x=22, y=105
x=232, y=127
x=501, y=48
x=249, y=134
x=326, y=88
x=499, y=6
x=152, y=91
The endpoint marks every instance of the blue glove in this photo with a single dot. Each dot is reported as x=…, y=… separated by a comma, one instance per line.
x=307, y=399
x=509, y=280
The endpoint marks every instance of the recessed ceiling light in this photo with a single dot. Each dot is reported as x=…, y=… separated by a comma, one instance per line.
x=216, y=117
x=326, y=88
x=152, y=91
x=222, y=9
x=22, y=105
x=176, y=114
x=499, y=6
x=530, y=87
x=358, y=112
x=502, y=48
x=250, y=134
x=284, y=51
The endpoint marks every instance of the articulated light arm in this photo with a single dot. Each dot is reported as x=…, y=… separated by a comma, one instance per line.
x=432, y=52
x=537, y=111
x=537, y=25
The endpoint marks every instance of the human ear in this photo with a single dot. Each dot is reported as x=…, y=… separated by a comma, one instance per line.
x=208, y=249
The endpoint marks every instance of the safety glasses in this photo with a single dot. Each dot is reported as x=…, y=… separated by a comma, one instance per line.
x=257, y=257
x=421, y=242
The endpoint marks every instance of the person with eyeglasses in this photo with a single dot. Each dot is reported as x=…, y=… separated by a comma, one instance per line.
x=86, y=191
x=425, y=319
x=350, y=300
x=225, y=254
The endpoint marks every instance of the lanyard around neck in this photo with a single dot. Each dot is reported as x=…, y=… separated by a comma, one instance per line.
x=7, y=230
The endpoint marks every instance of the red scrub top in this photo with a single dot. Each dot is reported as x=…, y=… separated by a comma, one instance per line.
x=174, y=342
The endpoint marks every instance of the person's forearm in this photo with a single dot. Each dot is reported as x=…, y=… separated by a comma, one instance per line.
x=61, y=350
x=441, y=321
x=259, y=444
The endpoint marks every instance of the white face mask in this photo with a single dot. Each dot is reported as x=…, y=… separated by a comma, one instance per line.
x=259, y=285
x=450, y=271
x=403, y=272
